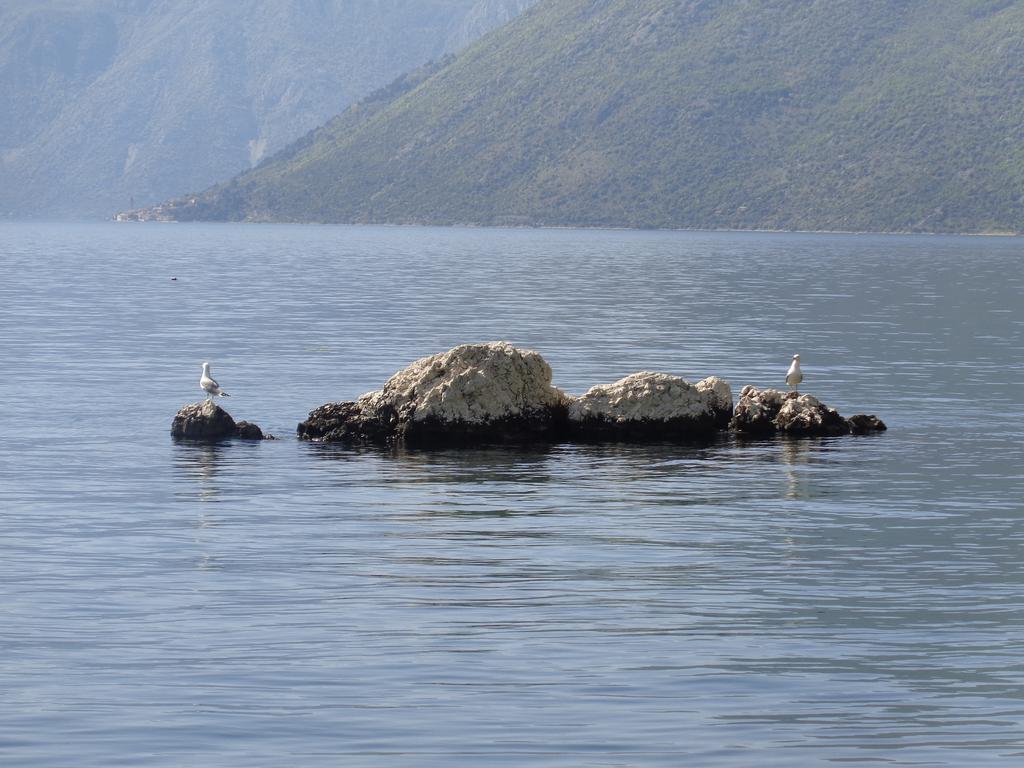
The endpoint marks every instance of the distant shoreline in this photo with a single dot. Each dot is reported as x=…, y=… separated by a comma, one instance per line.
x=608, y=228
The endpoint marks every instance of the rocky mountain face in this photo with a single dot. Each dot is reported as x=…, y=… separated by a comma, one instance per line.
x=114, y=102
x=760, y=114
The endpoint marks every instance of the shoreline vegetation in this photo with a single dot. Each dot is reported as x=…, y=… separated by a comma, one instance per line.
x=140, y=216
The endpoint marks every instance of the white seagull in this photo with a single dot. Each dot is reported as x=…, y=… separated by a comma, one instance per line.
x=209, y=386
x=794, y=375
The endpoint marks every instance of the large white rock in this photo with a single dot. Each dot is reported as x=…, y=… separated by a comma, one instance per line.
x=645, y=403
x=472, y=383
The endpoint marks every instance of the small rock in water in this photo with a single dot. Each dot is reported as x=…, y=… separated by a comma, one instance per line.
x=769, y=411
x=862, y=424
x=248, y=431
x=208, y=422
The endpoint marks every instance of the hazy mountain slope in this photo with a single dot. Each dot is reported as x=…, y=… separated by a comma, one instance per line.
x=108, y=100
x=797, y=114
x=484, y=16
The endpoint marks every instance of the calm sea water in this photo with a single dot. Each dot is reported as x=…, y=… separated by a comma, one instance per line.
x=854, y=600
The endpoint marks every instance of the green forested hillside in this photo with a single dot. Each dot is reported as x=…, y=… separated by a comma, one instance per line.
x=780, y=114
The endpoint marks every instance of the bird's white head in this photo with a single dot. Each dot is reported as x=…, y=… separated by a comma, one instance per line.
x=206, y=366
x=796, y=357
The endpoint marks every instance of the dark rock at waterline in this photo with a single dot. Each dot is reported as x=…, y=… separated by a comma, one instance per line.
x=349, y=422
x=355, y=423
x=248, y=431
x=769, y=411
x=208, y=422
x=863, y=424
x=203, y=421
x=541, y=425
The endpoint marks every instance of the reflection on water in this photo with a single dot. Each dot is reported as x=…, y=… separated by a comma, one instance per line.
x=795, y=455
x=282, y=603
x=197, y=463
x=411, y=465
x=803, y=459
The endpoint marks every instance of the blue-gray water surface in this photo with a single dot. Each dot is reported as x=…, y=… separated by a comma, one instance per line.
x=857, y=600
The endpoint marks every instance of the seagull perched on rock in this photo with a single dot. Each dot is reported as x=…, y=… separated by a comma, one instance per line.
x=794, y=375
x=209, y=386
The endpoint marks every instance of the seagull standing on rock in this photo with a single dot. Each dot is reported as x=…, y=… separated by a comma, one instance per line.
x=209, y=386
x=794, y=375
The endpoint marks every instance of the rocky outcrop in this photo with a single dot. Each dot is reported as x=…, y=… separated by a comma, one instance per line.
x=805, y=415
x=474, y=393
x=718, y=394
x=651, y=406
x=496, y=393
x=756, y=411
x=208, y=422
x=769, y=411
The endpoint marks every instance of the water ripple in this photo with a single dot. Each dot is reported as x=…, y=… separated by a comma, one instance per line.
x=779, y=602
